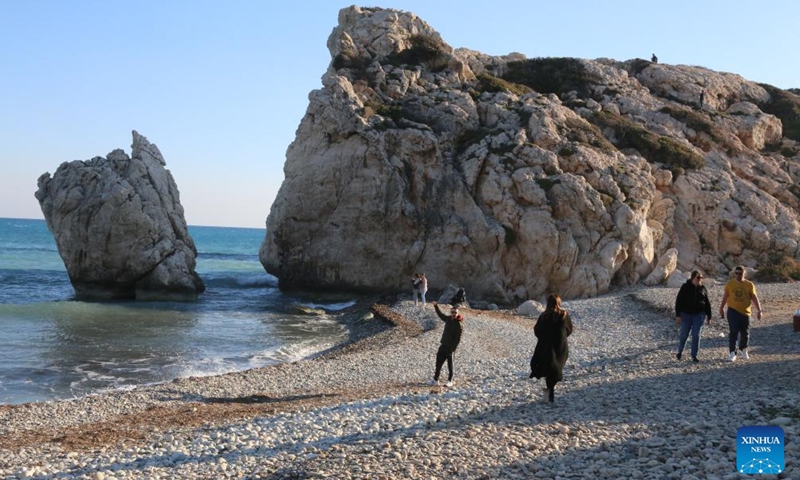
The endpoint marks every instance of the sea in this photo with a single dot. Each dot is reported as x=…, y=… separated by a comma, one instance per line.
x=53, y=346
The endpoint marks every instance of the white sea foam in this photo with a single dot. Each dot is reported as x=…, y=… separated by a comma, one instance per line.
x=89, y=375
x=205, y=367
x=299, y=351
x=127, y=387
x=334, y=307
x=101, y=344
x=139, y=370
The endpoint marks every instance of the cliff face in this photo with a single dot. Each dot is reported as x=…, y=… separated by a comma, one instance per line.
x=119, y=226
x=517, y=177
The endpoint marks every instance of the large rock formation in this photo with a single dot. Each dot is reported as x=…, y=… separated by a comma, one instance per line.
x=119, y=226
x=517, y=177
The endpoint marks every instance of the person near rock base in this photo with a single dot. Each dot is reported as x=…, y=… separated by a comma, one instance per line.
x=459, y=297
x=423, y=287
x=415, y=283
x=552, y=350
x=692, y=308
x=451, y=337
x=740, y=295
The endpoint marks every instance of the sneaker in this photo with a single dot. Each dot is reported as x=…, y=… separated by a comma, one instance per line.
x=732, y=357
x=678, y=356
x=695, y=360
x=435, y=382
x=449, y=383
x=745, y=355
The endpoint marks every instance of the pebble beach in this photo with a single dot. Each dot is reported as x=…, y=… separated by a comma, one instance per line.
x=627, y=408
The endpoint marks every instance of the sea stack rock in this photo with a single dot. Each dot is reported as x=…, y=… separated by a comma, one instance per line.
x=516, y=177
x=119, y=226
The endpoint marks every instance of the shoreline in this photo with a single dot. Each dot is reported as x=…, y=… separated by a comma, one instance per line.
x=368, y=329
x=393, y=365
x=348, y=320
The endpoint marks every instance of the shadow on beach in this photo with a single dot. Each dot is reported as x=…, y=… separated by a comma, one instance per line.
x=653, y=419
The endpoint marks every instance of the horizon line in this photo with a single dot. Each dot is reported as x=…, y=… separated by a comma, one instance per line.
x=189, y=225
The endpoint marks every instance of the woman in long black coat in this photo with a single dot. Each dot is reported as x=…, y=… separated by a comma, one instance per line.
x=551, y=352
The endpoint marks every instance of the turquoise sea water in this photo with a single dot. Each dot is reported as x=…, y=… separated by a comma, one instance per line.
x=52, y=346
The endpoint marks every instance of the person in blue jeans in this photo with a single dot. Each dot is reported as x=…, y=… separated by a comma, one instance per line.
x=691, y=306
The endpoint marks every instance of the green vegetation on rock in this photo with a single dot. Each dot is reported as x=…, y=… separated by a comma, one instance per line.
x=557, y=75
x=652, y=146
x=490, y=83
x=424, y=50
x=694, y=120
x=780, y=268
x=584, y=132
x=786, y=106
x=349, y=59
x=637, y=65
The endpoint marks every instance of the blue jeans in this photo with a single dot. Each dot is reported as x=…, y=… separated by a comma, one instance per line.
x=739, y=325
x=693, y=322
x=421, y=294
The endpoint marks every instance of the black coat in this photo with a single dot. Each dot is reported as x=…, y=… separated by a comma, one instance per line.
x=453, y=328
x=552, y=350
x=459, y=297
x=692, y=299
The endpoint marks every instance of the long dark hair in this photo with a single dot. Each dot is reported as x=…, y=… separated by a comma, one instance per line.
x=554, y=303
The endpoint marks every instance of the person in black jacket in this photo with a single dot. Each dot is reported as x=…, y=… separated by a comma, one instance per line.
x=691, y=306
x=451, y=337
x=459, y=298
x=552, y=350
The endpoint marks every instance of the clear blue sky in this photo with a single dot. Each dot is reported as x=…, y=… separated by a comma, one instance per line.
x=221, y=86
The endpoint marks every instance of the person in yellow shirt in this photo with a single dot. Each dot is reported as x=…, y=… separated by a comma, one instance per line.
x=740, y=295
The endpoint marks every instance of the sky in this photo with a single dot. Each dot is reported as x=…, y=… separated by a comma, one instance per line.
x=221, y=86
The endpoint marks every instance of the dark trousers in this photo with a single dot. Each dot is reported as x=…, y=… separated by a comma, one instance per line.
x=442, y=355
x=739, y=325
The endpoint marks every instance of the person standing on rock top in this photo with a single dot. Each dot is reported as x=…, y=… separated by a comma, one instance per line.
x=691, y=306
x=740, y=295
x=451, y=337
x=552, y=350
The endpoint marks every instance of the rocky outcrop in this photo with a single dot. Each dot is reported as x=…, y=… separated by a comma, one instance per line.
x=515, y=177
x=530, y=308
x=666, y=265
x=119, y=226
